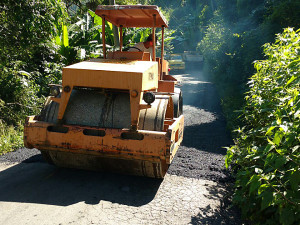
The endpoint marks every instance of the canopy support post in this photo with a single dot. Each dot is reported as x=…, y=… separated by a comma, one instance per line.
x=121, y=37
x=103, y=37
x=162, y=52
x=153, y=38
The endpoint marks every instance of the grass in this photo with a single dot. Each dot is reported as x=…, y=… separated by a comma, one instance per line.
x=11, y=138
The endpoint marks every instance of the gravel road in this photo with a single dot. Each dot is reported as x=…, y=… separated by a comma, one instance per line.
x=196, y=189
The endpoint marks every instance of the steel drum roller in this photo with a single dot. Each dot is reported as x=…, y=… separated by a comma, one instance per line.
x=106, y=110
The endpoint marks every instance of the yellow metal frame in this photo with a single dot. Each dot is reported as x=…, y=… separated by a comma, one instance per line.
x=132, y=72
x=156, y=146
x=135, y=76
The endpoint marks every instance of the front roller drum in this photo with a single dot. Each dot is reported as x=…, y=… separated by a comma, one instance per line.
x=93, y=108
x=110, y=164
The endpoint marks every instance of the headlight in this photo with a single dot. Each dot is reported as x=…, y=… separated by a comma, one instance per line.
x=149, y=97
x=54, y=90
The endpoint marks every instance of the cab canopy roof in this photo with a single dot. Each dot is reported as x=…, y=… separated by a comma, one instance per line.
x=132, y=15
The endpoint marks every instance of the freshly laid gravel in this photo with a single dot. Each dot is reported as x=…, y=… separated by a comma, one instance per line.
x=22, y=155
x=205, y=136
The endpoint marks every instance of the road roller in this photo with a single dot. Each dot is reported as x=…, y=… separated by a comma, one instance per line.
x=120, y=113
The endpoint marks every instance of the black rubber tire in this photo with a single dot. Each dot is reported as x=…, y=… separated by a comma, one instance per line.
x=178, y=103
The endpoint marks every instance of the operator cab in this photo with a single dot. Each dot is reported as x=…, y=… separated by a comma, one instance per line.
x=134, y=16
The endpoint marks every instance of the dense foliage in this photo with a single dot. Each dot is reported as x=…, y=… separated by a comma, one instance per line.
x=232, y=41
x=29, y=60
x=229, y=34
x=267, y=150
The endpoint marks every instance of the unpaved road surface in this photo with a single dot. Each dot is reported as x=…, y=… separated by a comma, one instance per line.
x=196, y=189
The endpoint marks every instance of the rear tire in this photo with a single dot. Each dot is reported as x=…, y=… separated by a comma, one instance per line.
x=177, y=102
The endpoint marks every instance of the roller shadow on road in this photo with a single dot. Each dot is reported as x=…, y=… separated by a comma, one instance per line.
x=225, y=213
x=41, y=183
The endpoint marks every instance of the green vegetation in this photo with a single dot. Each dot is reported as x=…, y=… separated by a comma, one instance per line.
x=267, y=150
x=29, y=60
x=230, y=35
x=10, y=137
x=233, y=39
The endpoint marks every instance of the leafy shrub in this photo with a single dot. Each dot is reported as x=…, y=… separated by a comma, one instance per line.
x=10, y=138
x=29, y=60
x=18, y=94
x=266, y=155
x=18, y=98
x=29, y=28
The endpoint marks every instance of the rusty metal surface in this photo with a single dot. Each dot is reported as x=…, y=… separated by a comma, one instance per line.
x=116, y=165
x=155, y=147
x=132, y=15
x=72, y=138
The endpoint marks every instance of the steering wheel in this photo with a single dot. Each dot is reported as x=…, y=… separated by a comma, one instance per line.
x=134, y=48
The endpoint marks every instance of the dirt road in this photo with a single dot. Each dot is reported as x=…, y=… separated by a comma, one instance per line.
x=194, y=191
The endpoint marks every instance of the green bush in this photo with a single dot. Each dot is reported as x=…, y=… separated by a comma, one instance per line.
x=266, y=154
x=18, y=99
x=29, y=60
x=11, y=138
x=18, y=94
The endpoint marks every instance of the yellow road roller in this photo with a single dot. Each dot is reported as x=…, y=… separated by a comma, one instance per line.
x=120, y=113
